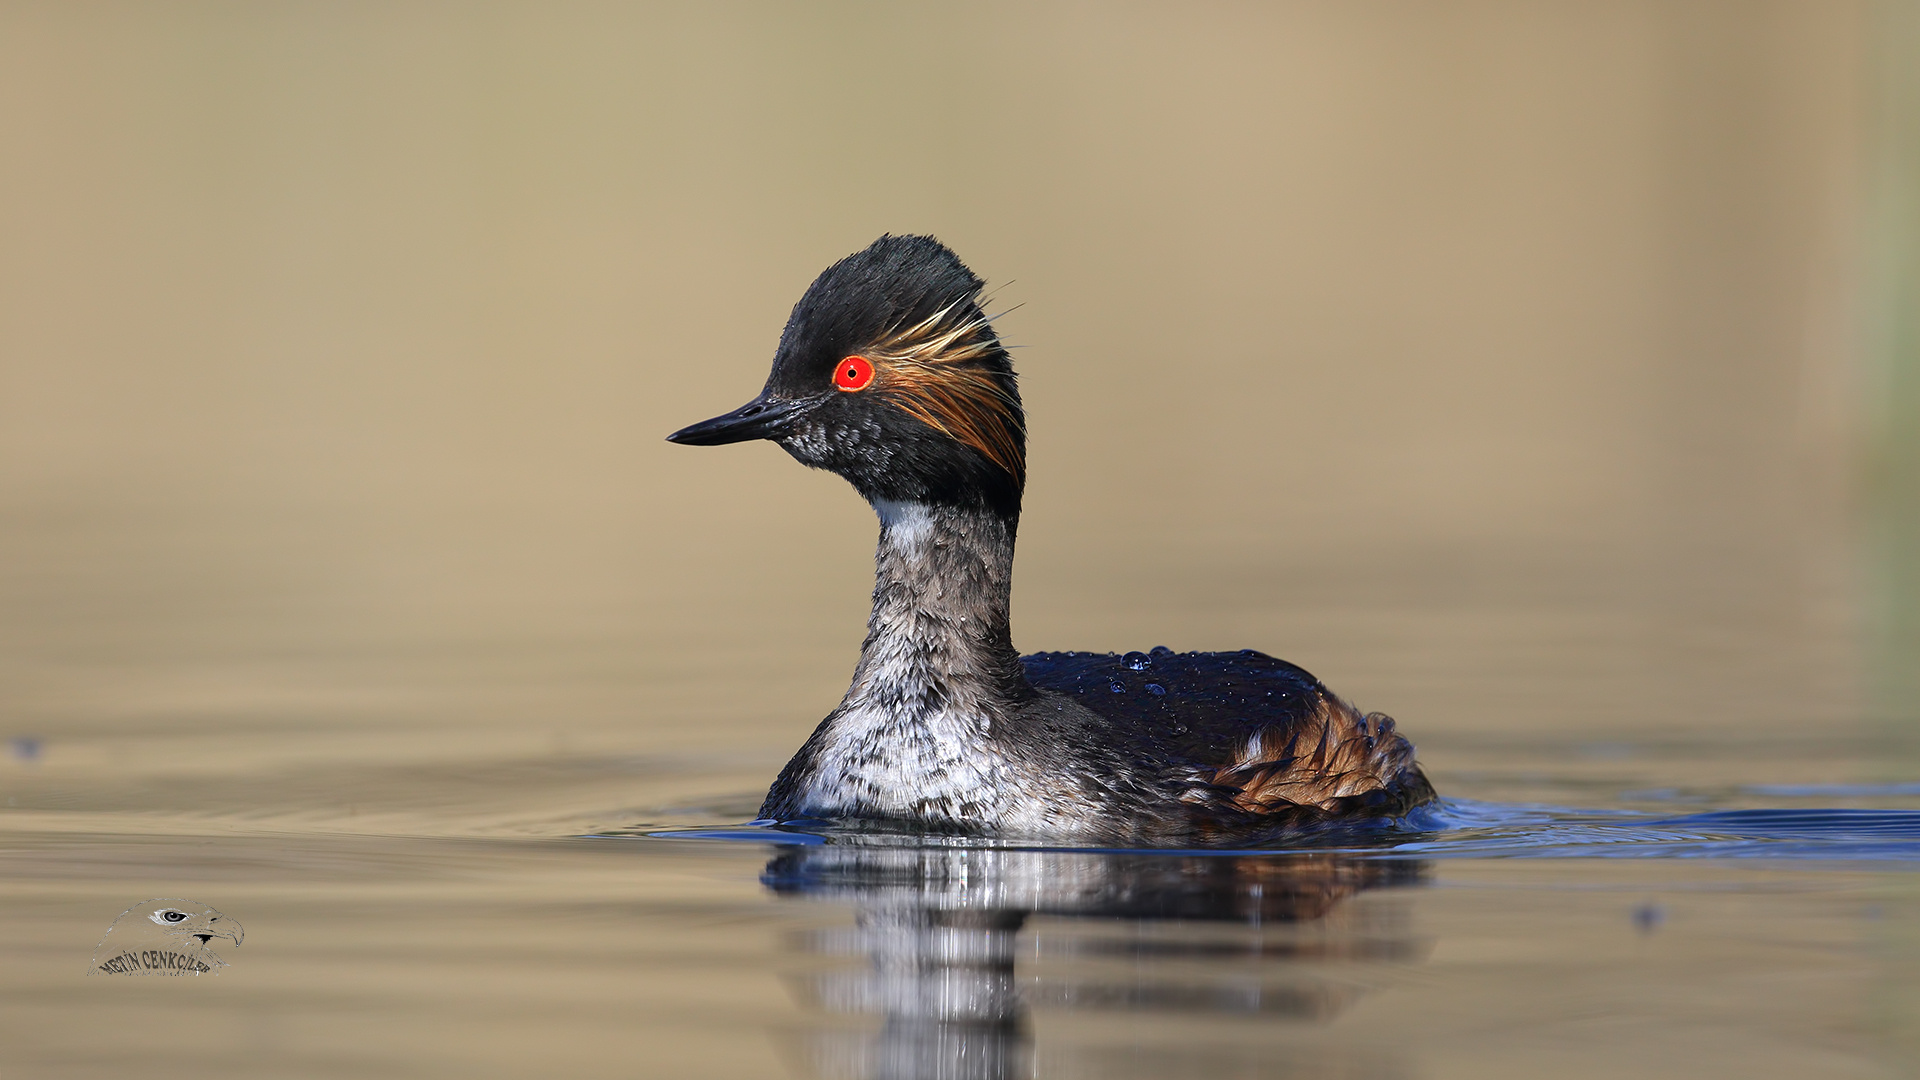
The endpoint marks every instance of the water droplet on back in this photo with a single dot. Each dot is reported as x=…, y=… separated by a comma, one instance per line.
x=1136, y=661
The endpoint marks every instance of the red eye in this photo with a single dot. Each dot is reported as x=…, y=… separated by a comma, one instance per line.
x=854, y=373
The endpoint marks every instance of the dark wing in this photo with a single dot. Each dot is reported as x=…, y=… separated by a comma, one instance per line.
x=1258, y=735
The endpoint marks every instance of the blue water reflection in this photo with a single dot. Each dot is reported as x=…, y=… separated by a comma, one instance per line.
x=1469, y=828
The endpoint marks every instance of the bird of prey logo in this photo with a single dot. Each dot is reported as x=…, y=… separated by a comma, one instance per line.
x=164, y=937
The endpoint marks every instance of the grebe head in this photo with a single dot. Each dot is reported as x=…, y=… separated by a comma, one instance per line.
x=889, y=374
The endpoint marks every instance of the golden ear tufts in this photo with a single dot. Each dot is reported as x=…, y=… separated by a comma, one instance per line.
x=935, y=370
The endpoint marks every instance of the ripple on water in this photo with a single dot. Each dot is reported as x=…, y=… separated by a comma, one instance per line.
x=1464, y=828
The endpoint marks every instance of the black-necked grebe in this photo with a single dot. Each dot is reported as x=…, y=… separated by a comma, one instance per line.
x=889, y=374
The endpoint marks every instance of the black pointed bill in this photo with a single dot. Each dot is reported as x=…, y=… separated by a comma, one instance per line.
x=762, y=418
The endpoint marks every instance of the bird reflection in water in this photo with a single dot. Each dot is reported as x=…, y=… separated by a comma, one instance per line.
x=1179, y=935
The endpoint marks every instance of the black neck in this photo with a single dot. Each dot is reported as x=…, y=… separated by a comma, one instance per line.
x=943, y=579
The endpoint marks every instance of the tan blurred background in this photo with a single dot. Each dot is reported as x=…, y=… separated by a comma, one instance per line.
x=1500, y=362
x=1546, y=374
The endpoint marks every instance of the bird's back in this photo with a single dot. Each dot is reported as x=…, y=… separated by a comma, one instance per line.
x=1246, y=738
